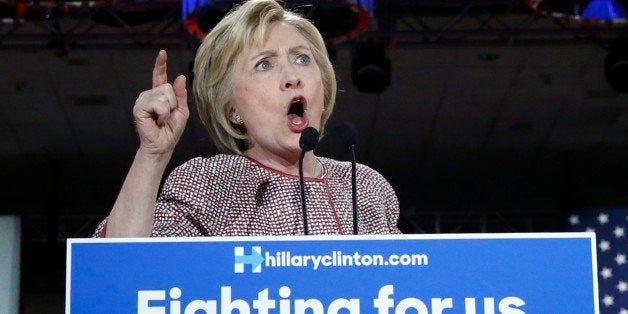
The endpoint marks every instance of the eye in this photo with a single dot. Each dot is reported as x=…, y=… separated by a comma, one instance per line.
x=263, y=65
x=303, y=59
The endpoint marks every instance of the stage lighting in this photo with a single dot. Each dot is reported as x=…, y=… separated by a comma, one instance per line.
x=579, y=11
x=337, y=20
x=616, y=65
x=604, y=9
x=370, y=68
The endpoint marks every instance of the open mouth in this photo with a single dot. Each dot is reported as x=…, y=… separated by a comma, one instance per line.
x=296, y=108
x=296, y=111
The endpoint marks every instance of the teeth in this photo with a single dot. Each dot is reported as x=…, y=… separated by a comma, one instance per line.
x=296, y=120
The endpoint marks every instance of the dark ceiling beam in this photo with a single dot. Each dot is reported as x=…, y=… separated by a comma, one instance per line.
x=406, y=22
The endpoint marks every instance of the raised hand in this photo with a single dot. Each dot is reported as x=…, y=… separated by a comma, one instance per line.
x=162, y=111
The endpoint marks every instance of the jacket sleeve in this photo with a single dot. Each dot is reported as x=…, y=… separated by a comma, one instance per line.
x=178, y=210
x=380, y=203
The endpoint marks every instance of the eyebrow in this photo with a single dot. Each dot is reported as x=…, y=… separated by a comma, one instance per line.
x=272, y=52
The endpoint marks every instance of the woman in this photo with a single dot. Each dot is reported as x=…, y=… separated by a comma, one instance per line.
x=262, y=76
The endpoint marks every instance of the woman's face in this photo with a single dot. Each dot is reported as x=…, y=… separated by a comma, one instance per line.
x=278, y=92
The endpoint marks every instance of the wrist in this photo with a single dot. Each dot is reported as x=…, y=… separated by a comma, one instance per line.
x=147, y=156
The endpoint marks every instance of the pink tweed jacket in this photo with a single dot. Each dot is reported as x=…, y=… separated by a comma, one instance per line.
x=232, y=195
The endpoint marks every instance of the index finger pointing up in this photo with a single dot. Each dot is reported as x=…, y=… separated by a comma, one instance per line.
x=160, y=73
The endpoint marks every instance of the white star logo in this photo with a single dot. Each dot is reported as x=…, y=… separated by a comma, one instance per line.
x=619, y=232
x=602, y=218
x=574, y=220
x=623, y=311
x=604, y=245
x=606, y=273
x=622, y=286
x=589, y=229
x=620, y=259
x=608, y=300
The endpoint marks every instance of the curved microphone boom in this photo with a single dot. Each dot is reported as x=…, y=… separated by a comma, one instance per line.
x=348, y=135
x=307, y=142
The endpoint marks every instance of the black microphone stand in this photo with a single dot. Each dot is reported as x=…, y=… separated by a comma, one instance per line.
x=302, y=188
x=307, y=142
x=354, y=189
x=348, y=135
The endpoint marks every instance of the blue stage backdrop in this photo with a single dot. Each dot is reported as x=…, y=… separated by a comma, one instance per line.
x=423, y=274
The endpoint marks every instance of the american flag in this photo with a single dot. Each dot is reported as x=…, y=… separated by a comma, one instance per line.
x=612, y=246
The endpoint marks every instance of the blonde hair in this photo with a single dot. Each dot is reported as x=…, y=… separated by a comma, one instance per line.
x=244, y=25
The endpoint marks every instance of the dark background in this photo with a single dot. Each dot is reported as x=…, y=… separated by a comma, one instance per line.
x=498, y=118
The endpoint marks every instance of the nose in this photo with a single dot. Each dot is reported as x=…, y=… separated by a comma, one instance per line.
x=291, y=78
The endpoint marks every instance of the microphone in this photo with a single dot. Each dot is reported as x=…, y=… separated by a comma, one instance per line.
x=309, y=139
x=307, y=142
x=348, y=135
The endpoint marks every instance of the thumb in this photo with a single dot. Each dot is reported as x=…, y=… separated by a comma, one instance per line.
x=180, y=91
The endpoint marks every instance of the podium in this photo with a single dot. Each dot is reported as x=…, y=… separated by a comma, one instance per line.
x=392, y=274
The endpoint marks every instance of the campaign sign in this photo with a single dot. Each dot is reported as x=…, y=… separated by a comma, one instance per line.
x=422, y=274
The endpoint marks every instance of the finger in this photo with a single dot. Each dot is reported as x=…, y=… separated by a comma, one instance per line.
x=160, y=71
x=180, y=92
x=166, y=94
x=162, y=112
x=142, y=108
x=151, y=104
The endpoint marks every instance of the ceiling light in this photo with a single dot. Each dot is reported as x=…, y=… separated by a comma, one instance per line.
x=370, y=69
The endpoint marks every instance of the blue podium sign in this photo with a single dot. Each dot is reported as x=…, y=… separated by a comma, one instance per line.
x=423, y=274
